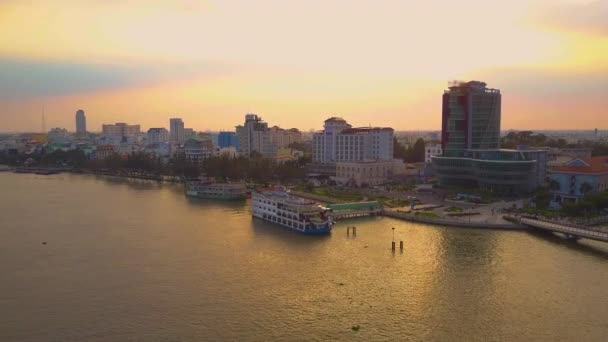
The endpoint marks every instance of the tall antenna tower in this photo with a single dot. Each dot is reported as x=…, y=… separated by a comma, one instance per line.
x=43, y=121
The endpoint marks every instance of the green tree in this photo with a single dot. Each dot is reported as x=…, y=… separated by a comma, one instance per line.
x=399, y=151
x=418, y=151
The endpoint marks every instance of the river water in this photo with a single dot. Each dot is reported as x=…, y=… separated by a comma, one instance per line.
x=129, y=260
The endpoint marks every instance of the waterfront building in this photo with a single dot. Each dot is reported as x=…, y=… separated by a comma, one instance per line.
x=81, y=123
x=340, y=142
x=362, y=173
x=571, y=181
x=120, y=130
x=103, y=151
x=471, y=145
x=429, y=151
x=177, y=131
x=254, y=135
x=157, y=135
x=228, y=139
x=498, y=170
x=470, y=118
x=196, y=150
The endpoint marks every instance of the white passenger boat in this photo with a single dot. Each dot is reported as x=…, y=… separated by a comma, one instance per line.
x=278, y=206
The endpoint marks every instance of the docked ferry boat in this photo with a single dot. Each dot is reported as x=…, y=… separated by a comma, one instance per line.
x=207, y=188
x=277, y=205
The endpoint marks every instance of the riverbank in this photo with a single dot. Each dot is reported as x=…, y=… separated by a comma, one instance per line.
x=452, y=222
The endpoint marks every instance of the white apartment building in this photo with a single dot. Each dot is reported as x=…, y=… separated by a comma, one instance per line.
x=177, y=132
x=157, y=135
x=340, y=142
x=254, y=135
x=430, y=151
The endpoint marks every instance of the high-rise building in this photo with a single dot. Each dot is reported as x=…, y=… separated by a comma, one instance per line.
x=157, y=135
x=177, y=133
x=472, y=156
x=470, y=118
x=254, y=135
x=120, y=129
x=81, y=123
x=340, y=142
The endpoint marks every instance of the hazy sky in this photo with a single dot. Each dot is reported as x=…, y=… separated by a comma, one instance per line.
x=378, y=62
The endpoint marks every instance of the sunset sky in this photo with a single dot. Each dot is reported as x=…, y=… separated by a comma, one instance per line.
x=295, y=63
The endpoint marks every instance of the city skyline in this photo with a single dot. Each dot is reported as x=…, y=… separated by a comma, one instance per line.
x=212, y=62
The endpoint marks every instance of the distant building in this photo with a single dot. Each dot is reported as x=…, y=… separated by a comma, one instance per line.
x=228, y=139
x=340, y=142
x=103, y=151
x=571, y=181
x=81, y=123
x=430, y=151
x=196, y=151
x=58, y=135
x=189, y=133
x=120, y=129
x=177, y=131
x=254, y=136
x=285, y=154
x=157, y=135
x=470, y=118
x=282, y=138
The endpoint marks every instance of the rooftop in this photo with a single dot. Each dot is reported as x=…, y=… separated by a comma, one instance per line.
x=364, y=129
x=585, y=165
x=335, y=119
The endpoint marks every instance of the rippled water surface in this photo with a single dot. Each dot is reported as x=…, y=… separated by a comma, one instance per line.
x=128, y=260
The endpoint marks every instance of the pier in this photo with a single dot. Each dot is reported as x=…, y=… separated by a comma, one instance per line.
x=355, y=209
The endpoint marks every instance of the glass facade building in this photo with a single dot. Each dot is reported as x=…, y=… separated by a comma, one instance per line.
x=470, y=118
x=497, y=170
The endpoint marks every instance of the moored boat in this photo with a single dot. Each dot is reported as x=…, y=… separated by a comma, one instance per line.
x=207, y=188
x=278, y=206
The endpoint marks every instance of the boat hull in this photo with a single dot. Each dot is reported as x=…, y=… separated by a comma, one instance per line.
x=317, y=231
x=228, y=197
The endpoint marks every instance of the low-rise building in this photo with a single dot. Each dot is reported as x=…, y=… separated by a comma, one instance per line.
x=498, y=170
x=287, y=154
x=362, y=173
x=103, y=151
x=430, y=151
x=571, y=181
